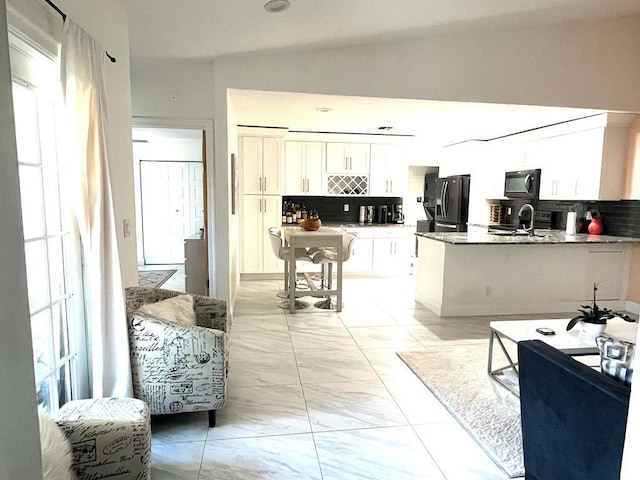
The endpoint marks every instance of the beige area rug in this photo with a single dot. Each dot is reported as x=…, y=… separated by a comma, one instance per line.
x=457, y=376
x=154, y=278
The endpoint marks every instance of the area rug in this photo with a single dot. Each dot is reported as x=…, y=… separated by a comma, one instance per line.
x=154, y=278
x=457, y=376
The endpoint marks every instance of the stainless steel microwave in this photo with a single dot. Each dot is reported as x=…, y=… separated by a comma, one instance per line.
x=522, y=184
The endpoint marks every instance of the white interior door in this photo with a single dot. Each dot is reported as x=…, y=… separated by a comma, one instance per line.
x=168, y=208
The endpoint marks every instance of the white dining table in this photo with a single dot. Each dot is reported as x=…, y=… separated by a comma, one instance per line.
x=324, y=237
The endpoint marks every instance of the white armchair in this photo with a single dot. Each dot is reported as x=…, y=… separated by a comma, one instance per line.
x=178, y=364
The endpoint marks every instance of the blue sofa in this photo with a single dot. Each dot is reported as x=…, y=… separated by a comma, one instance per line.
x=573, y=417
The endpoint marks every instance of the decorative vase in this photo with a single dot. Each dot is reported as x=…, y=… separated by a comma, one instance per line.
x=592, y=330
x=311, y=224
x=595, y=227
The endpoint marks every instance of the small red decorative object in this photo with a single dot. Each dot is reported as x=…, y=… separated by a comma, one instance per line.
x=595, y=227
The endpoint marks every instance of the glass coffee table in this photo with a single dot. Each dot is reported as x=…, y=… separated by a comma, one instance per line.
x=572, y=343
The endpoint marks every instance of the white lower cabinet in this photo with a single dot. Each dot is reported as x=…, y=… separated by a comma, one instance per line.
x=195, y=266
x=392, y=255
x=361, y=259
x=258, y=214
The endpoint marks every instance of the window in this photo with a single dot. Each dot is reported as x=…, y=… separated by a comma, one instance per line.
x=51, y=241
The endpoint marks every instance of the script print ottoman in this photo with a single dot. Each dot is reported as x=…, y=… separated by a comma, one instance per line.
x=109, y=437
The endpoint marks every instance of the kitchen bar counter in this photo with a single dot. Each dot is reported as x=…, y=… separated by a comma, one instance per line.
x=460, y=274
x=358, y=225
x=544, y=237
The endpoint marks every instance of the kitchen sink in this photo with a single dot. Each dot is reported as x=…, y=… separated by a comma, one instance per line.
x=515, y=233
x=510, y=234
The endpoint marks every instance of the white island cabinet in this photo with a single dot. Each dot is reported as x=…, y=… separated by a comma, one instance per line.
x=483, y=274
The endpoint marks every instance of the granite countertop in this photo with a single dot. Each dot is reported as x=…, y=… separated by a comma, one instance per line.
x=544, y=237
x=358, y=225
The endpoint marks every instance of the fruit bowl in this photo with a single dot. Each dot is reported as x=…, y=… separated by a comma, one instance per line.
x=310, y=224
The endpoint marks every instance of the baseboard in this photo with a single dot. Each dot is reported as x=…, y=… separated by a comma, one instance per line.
x=541, y=308
x=632, y=307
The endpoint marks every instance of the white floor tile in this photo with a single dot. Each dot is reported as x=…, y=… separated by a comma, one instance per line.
x=261, y=411
x=375, y=454
x=176, y=461
x=282, y=457
x=458, y=455
x=323, y=395
x=351, y=405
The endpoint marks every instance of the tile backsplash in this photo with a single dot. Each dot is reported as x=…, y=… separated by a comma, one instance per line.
x=620, y=217
x=331, y=209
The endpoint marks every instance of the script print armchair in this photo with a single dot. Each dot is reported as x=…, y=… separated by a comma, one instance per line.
x=178, y=366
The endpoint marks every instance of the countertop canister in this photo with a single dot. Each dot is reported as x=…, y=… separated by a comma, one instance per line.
x=572, y=218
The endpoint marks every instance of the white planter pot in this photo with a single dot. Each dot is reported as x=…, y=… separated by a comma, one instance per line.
x=592, y=330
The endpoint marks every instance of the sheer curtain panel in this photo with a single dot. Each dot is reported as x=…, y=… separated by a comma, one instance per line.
x=86, y=127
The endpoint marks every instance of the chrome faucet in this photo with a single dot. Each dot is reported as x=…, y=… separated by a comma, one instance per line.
x=529, y=230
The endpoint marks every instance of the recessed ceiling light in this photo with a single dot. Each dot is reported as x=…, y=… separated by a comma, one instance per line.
x=275, y=6
x=323, y=109
x=385, y=127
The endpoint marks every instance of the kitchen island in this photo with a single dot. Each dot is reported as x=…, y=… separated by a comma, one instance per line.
x=480, y=273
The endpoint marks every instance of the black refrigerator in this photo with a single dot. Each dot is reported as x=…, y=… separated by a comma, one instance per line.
x=452, y=203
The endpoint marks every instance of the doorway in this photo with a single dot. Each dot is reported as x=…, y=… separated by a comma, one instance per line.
x=170, y=192
x=172, y=208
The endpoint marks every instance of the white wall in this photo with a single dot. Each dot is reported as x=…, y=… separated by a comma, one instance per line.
x=19, y=439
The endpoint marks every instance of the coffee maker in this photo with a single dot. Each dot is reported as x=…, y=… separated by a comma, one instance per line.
x=382, y=214
x=397, y=215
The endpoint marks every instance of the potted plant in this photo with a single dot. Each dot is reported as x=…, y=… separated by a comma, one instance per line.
x=593, y=318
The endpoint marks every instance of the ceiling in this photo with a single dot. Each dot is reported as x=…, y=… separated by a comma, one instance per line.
x=433, y=123
x=207, y=29
x=213, y=28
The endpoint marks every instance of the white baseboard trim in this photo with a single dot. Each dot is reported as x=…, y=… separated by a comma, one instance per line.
x=633, y=307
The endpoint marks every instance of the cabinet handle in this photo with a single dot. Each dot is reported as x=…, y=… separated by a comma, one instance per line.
x=307, y=186
x=390, y=186
x=302, y=182
x=260, y=186
x=265, y=185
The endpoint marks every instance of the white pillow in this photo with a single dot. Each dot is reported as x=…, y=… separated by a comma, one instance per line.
x=55, y=448
x=175, y=309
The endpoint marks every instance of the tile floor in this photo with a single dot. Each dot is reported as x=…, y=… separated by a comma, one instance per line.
x=175, y=281
x=322, y=395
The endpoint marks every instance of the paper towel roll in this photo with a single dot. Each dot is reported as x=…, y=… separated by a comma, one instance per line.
x=572, y=217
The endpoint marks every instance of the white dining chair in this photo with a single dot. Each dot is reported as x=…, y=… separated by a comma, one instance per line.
x=283, y=253
x=326, y=257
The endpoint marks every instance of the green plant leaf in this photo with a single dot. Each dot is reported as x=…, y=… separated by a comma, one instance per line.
x=572, y=323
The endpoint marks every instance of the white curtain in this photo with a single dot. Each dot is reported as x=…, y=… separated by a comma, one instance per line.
x=85, y=126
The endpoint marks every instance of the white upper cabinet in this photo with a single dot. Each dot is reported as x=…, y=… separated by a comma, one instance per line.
x=389, y=171
x=348, y=158
x=261, y=165
x=585, y=165
x=580, y=160
x=304, y=167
